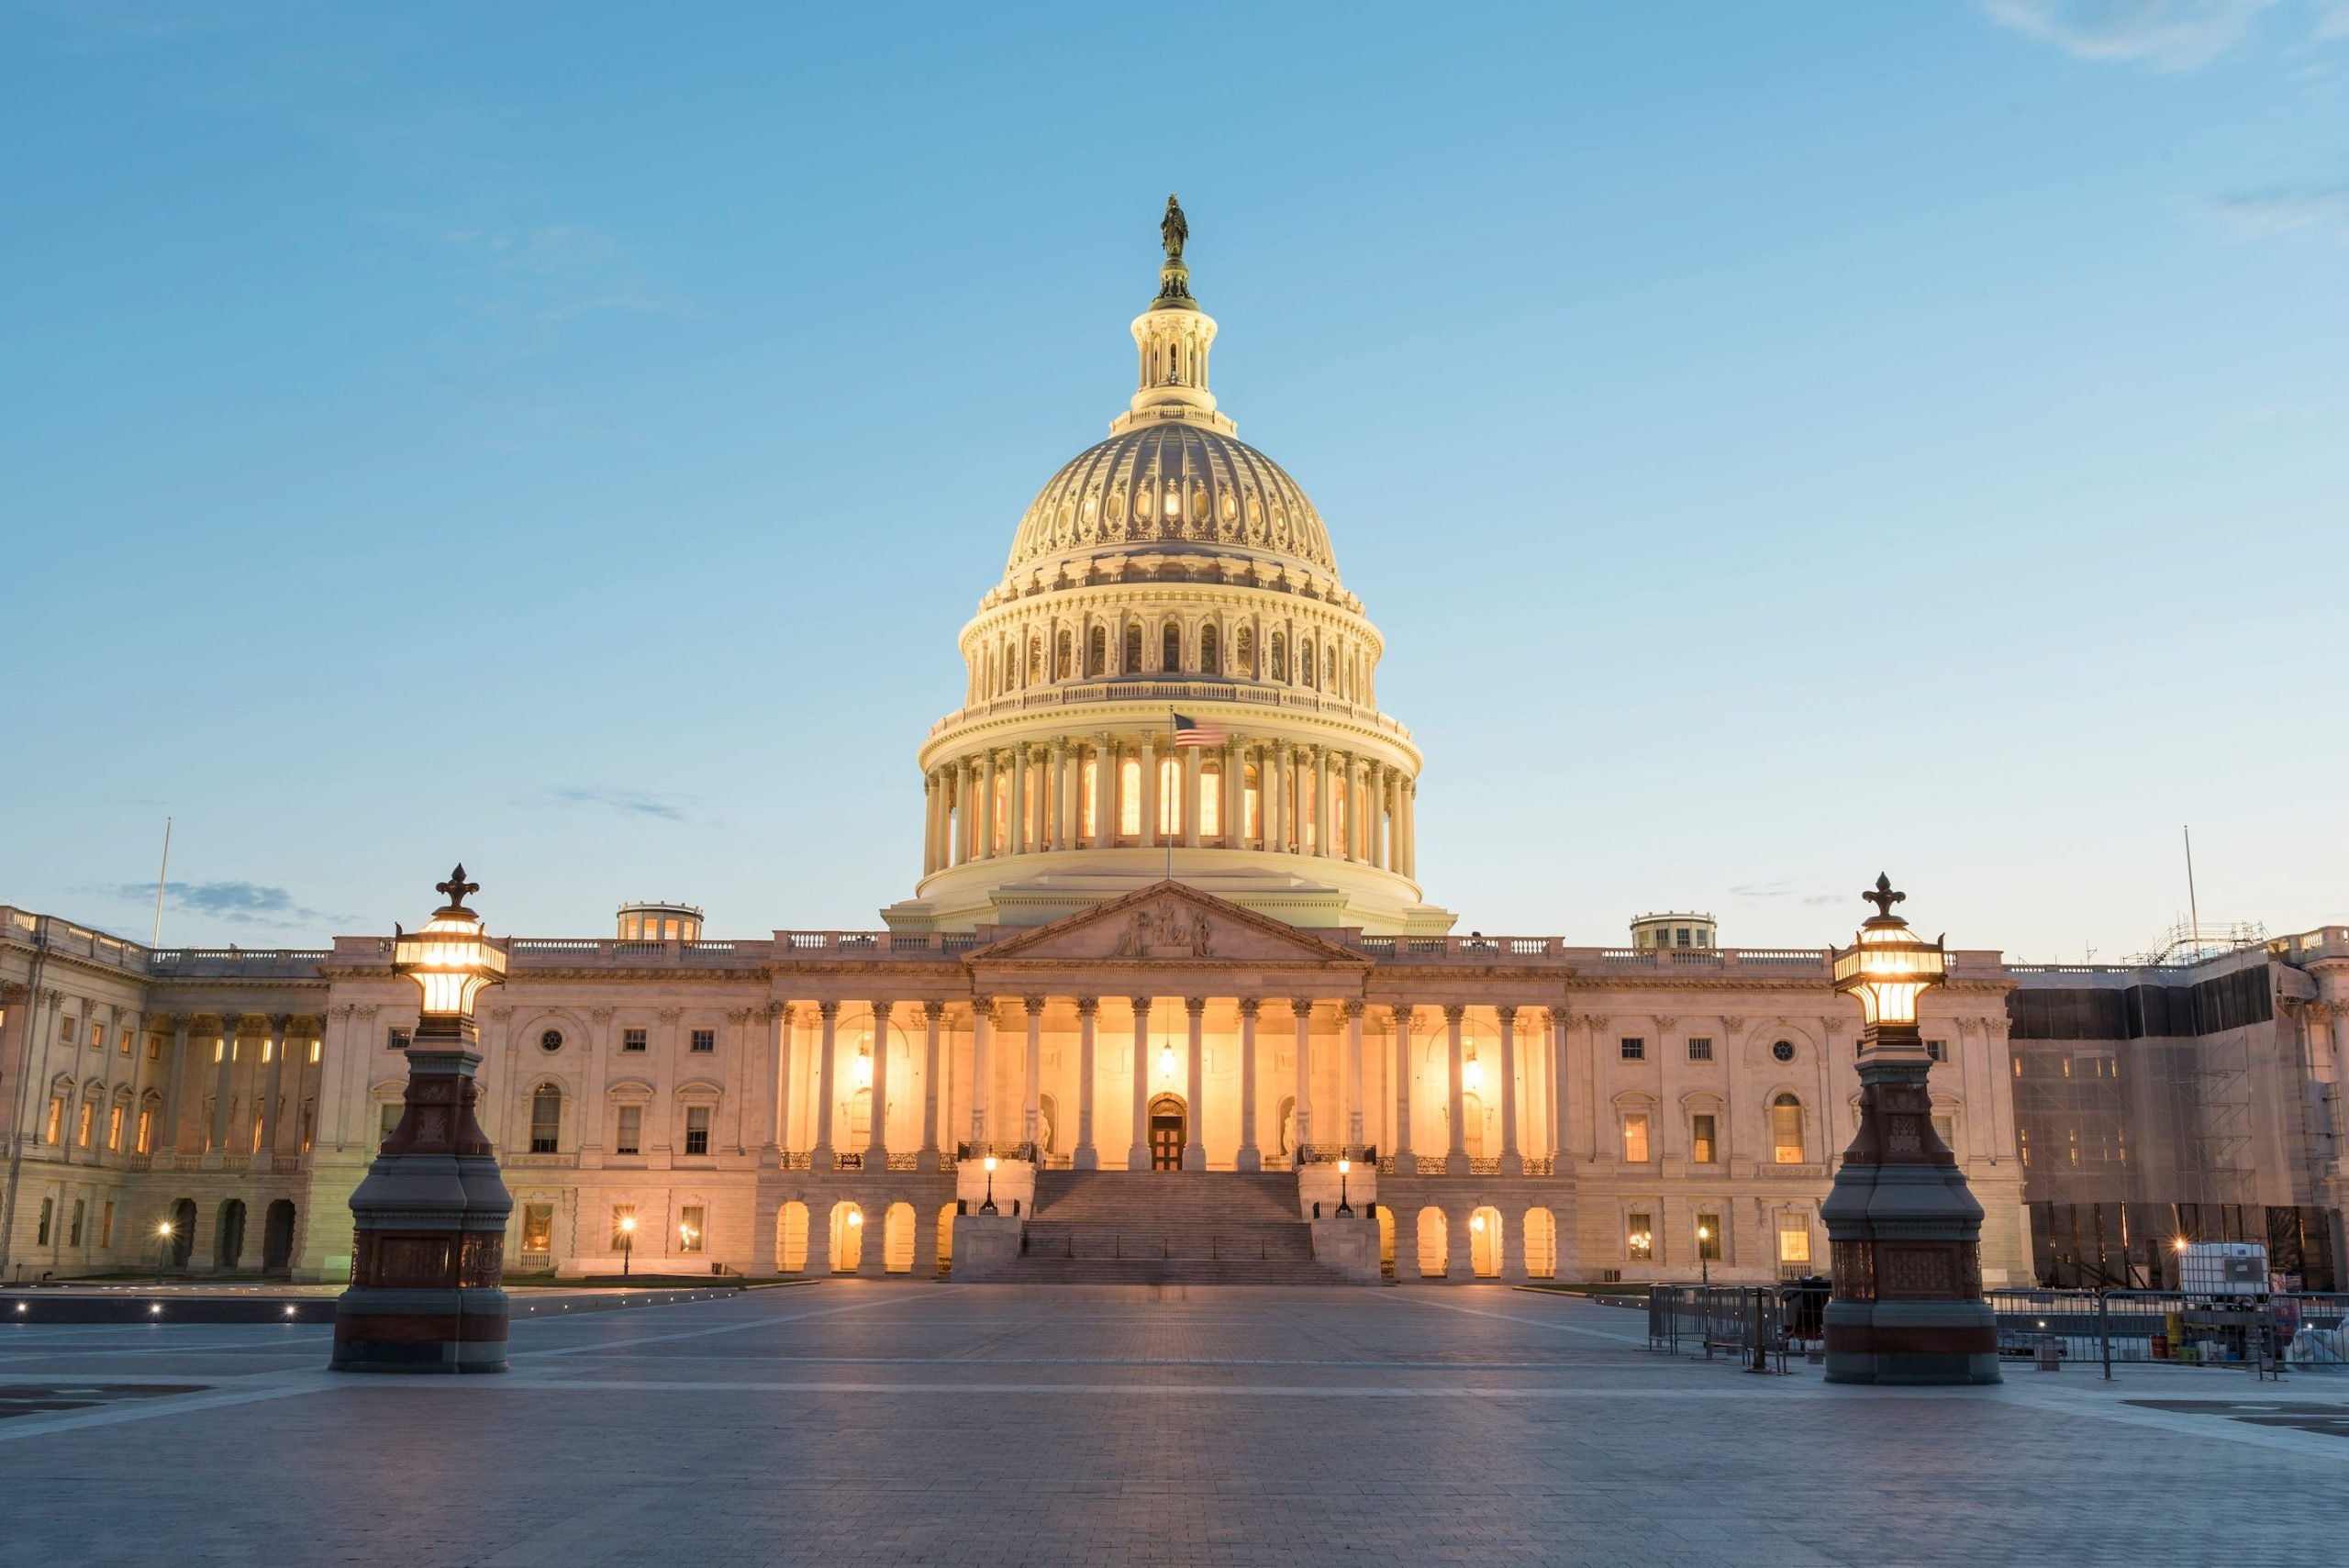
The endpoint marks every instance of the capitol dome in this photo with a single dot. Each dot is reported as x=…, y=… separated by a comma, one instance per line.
x=1170, y=681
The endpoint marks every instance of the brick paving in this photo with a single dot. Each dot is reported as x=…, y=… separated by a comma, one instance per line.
x=863, y=1422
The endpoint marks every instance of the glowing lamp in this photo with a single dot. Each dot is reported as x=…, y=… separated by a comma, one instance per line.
x=1344, y=1165
x=1166, y=1061
x=1477, y=1223
x=451, y=960
x=855, y=1218
x=865, y=1068
x=2179, y=1245
x=1888, y=968
x=1472, y=1076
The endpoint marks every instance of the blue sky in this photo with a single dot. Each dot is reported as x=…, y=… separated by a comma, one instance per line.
x=570, y=438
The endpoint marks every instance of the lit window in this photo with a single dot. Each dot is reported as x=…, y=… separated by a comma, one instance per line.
x=82, y=1125
x=1170, y=795
x=630, y=1137
x=1700, y=1049
x=691, y=1234
x=125, y=1042
x=257, y=1133
x=1793, y=1238
x=696, y=1129
x=1785, y=1129
x=1129, y=798
x=1634, y=1050
x=1639, y=1238
x=1708, y=1237
x=146, y=1131
x=704, y=1040
x=538, y=1228
x=1211, y=802
x=1635, y=1137
x=1700, y=1139
x=316, y=1047
x=114, y=1129
x=631, y=1039
x=154, y=1048
x=393, y=1040
x=546, y=1119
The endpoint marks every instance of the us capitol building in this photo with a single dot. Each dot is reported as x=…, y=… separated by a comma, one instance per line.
x=1145, y=998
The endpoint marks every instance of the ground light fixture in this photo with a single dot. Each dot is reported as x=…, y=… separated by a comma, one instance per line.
x=429, y=1222
x=1904, y=1231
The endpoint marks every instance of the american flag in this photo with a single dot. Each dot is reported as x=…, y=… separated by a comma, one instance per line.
x=1196, y=732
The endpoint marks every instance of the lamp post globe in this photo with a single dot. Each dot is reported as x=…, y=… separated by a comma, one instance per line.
x=429, y=1222
x=1345, y=1209
x=1904, y=1231
x=162, y=1248
x=988, y=1206
x=1704, y=1256
x=628, y=1243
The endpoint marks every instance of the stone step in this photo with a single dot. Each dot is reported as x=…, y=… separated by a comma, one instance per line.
x=1176, y=1271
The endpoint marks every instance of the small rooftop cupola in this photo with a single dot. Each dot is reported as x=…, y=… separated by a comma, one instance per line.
x=1174, y=336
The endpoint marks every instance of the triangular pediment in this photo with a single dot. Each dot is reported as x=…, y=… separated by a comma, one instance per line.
x=1168, y=922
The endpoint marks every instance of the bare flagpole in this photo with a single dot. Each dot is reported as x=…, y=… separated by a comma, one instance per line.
x=2193, y=910
x=156, y=938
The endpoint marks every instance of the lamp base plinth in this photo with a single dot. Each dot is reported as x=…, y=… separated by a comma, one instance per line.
x=388, y=1329
x=1912, y=1343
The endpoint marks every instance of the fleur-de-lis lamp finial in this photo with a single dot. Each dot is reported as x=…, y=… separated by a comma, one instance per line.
x=1883, y=896
x=456, y=887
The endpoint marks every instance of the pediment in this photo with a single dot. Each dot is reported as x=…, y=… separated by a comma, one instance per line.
x=1168, y=922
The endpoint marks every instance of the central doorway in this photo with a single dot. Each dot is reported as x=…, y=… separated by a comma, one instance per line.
x=1166, y=1118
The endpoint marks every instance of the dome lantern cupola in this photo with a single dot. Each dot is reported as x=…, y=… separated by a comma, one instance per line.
x=1174, y=336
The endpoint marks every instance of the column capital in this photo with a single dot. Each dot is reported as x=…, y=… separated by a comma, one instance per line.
x=1507, y=1013
x=1195, y=1006
x=933, y=1011
x=828, y=1009
x=1250, y=1006
x=779, y=1010
x=1351, y=1007
x=1401, y=1012
x=1035, y=1006
x=1453, y=1012
x=1087, y=1006
x=1302, y=1007
x=1140, y=1005
x=277, y=1022
x=881, y=1011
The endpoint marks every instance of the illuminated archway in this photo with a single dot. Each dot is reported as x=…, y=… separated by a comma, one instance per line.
x=1540, y=1244
x=848, y=1238
x=791, y=1238
x=1434, y=1261
x=897, y=1240
x=1485, y=1243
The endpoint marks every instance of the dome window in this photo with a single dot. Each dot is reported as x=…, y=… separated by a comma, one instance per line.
x=1133, y=656
x=1170, y=647
x=1230, y=506
x=1096, y=652
x=1116, y=506
x=1211, y=663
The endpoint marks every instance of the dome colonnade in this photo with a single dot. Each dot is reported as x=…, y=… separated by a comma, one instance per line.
x=1171, y=568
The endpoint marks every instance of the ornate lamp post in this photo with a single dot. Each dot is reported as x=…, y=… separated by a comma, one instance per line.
x=988, y=1206
x=628, y=1244
x=1906, y=1233
x=1345, y=1209
x=429, y=1221
x=1704, y=1256
x=162, y=1248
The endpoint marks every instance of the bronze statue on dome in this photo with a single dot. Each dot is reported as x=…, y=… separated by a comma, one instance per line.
x=1173, y=231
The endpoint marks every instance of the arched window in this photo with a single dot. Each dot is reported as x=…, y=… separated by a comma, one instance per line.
x=1305, y=662
x=1210, y=661
x=1211, y=801
x=1243, y=651
x=1129, y=797
x=1280, y=657
x=1785, y=1129
x=1096, y=652
x=1035, y=660
x=546, y=1119
x=1170, y=647
x=1064, y=658
x=1170, y=795
x=1133, y=649
x=1330, y=668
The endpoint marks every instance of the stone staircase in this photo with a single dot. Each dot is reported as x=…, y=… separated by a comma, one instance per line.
x=1166, y=1228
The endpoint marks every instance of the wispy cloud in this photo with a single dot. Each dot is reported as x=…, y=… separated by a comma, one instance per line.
x=2257, y=214
x=2332, y=18
x=630, y=802
x=1782, y=888
x=2166, y=35
x=238, y=903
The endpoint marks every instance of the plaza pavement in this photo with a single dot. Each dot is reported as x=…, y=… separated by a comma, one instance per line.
x=855, y=1422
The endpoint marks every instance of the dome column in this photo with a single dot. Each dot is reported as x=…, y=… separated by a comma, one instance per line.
x=987, y=806
x=1272, y=779
x=1377, y=793
x=1018, y=845
x=1322, y=835
x=1063, y=795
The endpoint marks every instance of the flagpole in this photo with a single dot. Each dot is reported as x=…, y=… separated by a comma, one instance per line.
x=1162, y=810
x=161, y=875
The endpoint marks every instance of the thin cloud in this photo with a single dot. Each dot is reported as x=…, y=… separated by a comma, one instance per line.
x=630, y=802
x=238, y=902
x=2166, y=35
x=1783, y=889
x=2258, y=214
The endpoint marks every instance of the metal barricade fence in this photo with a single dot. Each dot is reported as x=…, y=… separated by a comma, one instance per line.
x=2296, y=1332
x=1752, y=1323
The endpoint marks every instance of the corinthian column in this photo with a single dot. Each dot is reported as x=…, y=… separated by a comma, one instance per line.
x=1301, y=1009
x=1353, y=1085
x=1322, y=835
x=1104, y=790
x=1137, y=1154
x=1020, y=810
x=926, y=1159
x=819, y=1158
x=985, y=813
x=1512, y=1161
x=1195, y=1154
x=1086, y=1158
x=877, y=1144
x=1032, y=1071
x=1403, y=1157
x=1249, y=1157
x=1455, y=1154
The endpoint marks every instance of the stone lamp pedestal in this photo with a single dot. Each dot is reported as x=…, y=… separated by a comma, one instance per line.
x=1905, y=1237
x=430, y=1222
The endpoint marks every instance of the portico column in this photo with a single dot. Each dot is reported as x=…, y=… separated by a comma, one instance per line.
x=218, y=1140
x=927, y=1158
x=1404, y=1165
x=1149, y=789
x=1195, y=1152
x=1512, y=1161
x=1191, y=771
x=1353, y=1074
x=819, y=1158
x=270, y=1091
x=986, y=814
x=982, y=1078
x=1455, y=1154
x=876, y=1146
x=1249, y=1157
x=1301, y=1009
x=778, y=1082
x=1086, y=1158
x=1558, y=1105
x=1137, y=1154
x=1032, y=1072
x=172, y=1095
x=1019, y=806
x=1104, y=790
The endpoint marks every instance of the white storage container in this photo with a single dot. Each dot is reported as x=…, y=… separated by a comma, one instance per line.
x=2212, y=1270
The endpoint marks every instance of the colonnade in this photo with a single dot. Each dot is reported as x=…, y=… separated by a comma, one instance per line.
x=1107, y=791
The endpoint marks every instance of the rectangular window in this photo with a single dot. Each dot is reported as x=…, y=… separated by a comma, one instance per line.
x=393, y=1040
x=1945, y=1128
x=387, y=1118
x=1635, y=1137
x=82, y=1123
x=259, y=1124
x=154, y=1048
x=1087, y=797
x=1634, y=1049
x=73, y=1235
x=1786, y=1130
x=1708, y=1237
x=1793, y=1238
x=1700, y=1049
x=1700, y=1139
x=1639, y=1239
x=105, y=1224
x=631, y=1138
x=705, y=1041
x=268, y=1049
x=1129, y=798
x=315, y=1048
x=125, y=1042
x=696, y=1129
x=71, y=1029
x=146, y=1131
x=692, y=1236
x=1938, y=1050
x=48, y=1219
x=631, y=1039
x=623, y=1226
x=114, y=1129
x=56, y=1120
x=538, y=1228
x=546, y=1122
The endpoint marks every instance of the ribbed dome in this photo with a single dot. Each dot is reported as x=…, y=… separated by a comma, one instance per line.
x=1114, y=498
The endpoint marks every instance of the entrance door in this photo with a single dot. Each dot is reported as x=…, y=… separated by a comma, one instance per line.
x=1167, y=1134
